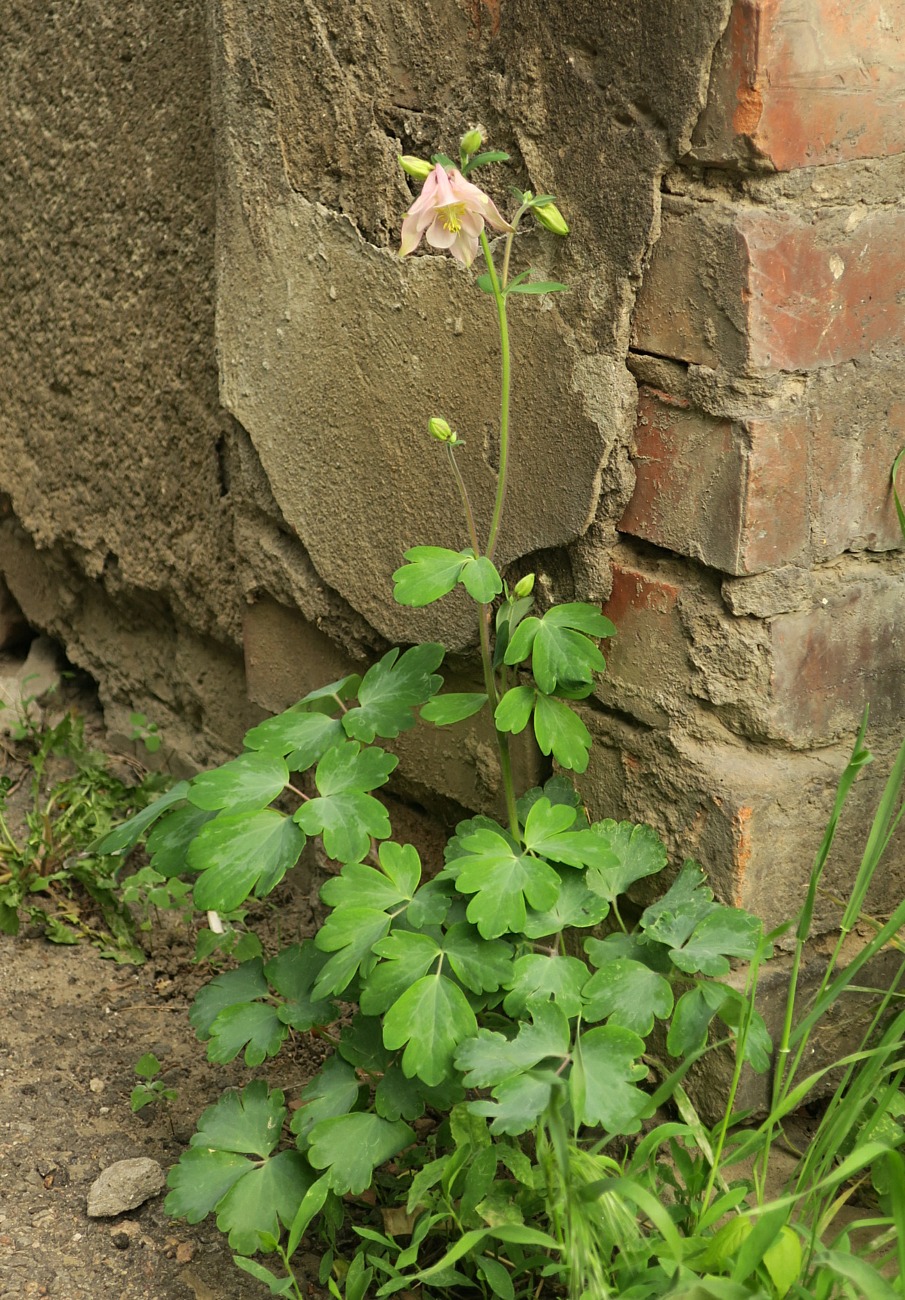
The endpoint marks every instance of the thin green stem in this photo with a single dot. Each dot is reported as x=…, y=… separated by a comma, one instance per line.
x=466, y=503
x=505, y=388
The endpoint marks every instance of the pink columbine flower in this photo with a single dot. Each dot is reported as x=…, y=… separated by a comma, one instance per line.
x=451, y=212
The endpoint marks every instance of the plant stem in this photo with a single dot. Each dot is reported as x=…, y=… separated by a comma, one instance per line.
x=466, y=503
x=505, y=387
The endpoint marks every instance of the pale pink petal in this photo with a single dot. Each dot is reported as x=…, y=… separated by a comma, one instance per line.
x=465, y=248
x=440, y=236
x=472, y=224
x=465, y=192
x=411, y=235
x=427, y=198
x=492, y=215
x=443, y=192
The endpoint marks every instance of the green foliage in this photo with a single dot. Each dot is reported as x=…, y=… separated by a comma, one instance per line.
x=53, y=871
x=151, y=1091
x=478, y=1117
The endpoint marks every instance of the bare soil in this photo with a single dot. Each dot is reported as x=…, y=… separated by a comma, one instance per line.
x=72, y=1026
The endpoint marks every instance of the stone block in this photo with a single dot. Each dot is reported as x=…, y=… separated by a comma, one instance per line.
x=800, y=672
x=286, y=656
x=803, y=83
x=731, y=494
x=772, y=290
x=754, y=817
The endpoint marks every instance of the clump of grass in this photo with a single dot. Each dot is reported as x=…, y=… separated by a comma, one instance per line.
x=65, y=797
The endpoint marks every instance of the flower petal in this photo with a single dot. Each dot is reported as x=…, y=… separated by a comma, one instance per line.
x=411, y=235
x=440, y=236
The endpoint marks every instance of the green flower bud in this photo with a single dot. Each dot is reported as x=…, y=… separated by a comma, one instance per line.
x=524, y=586
x=440, y=430
x=552, y=219
x=471, y=141
x=417, y=167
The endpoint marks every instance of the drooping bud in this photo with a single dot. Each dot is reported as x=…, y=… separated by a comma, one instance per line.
x=471, y=141
x=524, y=586
x=552, y=219
x=420, y=168
x=440, y=430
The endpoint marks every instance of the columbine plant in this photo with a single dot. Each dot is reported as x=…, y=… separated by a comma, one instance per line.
x=483, y=1053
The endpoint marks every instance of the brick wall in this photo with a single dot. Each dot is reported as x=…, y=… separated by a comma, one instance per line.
x=759, y=589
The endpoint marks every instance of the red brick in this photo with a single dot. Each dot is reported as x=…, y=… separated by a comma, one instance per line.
x=855, y=437
x=648, y=656
x=734, y=496
x=765, y=289
x=797, y=83
x=830, y=661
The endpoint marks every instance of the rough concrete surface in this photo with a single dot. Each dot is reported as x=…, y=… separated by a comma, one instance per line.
x=333, y=354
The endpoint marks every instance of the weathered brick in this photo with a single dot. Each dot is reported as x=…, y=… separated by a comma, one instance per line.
x=798, y=83
x=767, y=289
x=752, y=816
x=801, y=676
x=647, y=658
x=733, y=495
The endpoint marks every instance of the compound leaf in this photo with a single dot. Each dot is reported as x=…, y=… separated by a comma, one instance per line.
x=262, y=1199
x=293, y=972
x=480, y=579
x=608, y=1059
x=488, y=1058
x=560, y=731
x=252, y=1025
x=304, y=735
x=391, y=689
x=248, y=1121
x=238, y=853
x=548, y=833
x=518, y=1102
x=629, y=994
x=542, y=976
x=249, y=782
x=514, y=709
x=407, y=956
x=200, y=1180
x=576, y=907
x=431, y=572
x=444, y=710
x=483, y=965
x=244, y=984
x=691, y=1018
x=673, y=917
x=350, y=934
x=345, y=814
x=351, y=1147
x=637, y=851
x=169, y=841
x=723, y=933
x=430, y=1019
x=503, y=880
x=334, y=1090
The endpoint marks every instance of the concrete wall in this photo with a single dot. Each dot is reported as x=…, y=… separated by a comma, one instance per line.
x=703, y=427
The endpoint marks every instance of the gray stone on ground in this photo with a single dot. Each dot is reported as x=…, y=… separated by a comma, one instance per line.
x=123, y=1186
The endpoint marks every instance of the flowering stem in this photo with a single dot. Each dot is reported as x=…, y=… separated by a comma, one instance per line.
x=466, y=503
x=505, y=387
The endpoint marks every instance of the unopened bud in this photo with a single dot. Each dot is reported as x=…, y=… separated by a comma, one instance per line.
x=471, y=141
x=417, y=167
x=552, y=219
x=440, y=430
x=524, y=586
